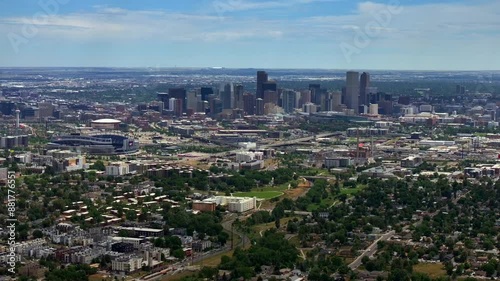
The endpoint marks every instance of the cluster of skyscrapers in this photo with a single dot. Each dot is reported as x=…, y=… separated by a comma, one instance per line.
x=357, y=97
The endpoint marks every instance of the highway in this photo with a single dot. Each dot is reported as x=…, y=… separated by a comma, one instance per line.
x=296, y=141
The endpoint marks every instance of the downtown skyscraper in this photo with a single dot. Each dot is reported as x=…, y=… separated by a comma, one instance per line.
x=262, y=78
x=352, y=91
x=363, y=89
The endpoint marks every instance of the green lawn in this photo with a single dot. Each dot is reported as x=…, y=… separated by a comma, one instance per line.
x=280, y=187
x=434, y=270
x=259, y=194
x=325, y=204
x=352, y=191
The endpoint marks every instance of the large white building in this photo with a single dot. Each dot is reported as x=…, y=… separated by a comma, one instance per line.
x=433, y=143
x=245, y=156
x=235, y=204
x=126, y=264
x=241, y=205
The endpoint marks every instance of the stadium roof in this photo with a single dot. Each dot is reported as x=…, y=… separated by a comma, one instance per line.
x=106, y=121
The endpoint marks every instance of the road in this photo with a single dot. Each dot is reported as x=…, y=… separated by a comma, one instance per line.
x=227, y=225
x=296, y=141
x=200, y=257
x=371, y=250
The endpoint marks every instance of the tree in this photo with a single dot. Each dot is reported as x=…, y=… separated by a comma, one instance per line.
x=222, y=237
x=131, y=215
x=37, y=234
x=98, y=165
x=179, y=254
x=489, y=268
x=208, y=272
x=399, y=275
x=71, y=273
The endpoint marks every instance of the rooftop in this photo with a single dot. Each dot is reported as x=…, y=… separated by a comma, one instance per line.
x=106, y=121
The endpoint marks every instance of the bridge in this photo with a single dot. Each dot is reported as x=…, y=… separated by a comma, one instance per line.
x=299, y=140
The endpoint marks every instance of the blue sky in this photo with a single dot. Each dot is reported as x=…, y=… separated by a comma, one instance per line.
x=330, y=34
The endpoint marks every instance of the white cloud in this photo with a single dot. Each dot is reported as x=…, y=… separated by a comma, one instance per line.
x=116, y=23
x=226, y=6
x=433, y=30
x=437, y=21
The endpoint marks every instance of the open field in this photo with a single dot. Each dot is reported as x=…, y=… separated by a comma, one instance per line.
x=259, y=194
x=434, y=270
x=281, y=187
x=352, y=191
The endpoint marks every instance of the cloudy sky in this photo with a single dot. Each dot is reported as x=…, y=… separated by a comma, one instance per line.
x=330, y=34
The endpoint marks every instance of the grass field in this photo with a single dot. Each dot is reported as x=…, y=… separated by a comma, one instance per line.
x=352, y=191
x=434, y=270
x=280, y=187
x=259, y=194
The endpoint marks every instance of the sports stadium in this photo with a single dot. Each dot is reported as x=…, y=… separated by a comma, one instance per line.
x=102, y=144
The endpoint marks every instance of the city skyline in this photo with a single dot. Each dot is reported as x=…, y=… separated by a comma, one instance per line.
x=299, y=34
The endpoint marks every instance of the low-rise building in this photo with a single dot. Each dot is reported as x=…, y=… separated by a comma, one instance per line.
x=200, y=246
x=411, y=161
x=117, y=169
x=254, y=165
x=338, y=162
x=204, y=206
x=127, y=264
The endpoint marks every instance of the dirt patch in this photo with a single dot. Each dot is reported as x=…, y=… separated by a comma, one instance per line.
x=295, y=193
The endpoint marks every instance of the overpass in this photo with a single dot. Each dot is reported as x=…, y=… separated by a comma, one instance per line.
x=277, y=144
x=215, y=141
x=299, y=140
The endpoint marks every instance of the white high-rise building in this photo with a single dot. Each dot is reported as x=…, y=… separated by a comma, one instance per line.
x=171, y=104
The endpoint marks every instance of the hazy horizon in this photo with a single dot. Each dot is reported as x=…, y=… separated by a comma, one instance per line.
x=245, y=68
